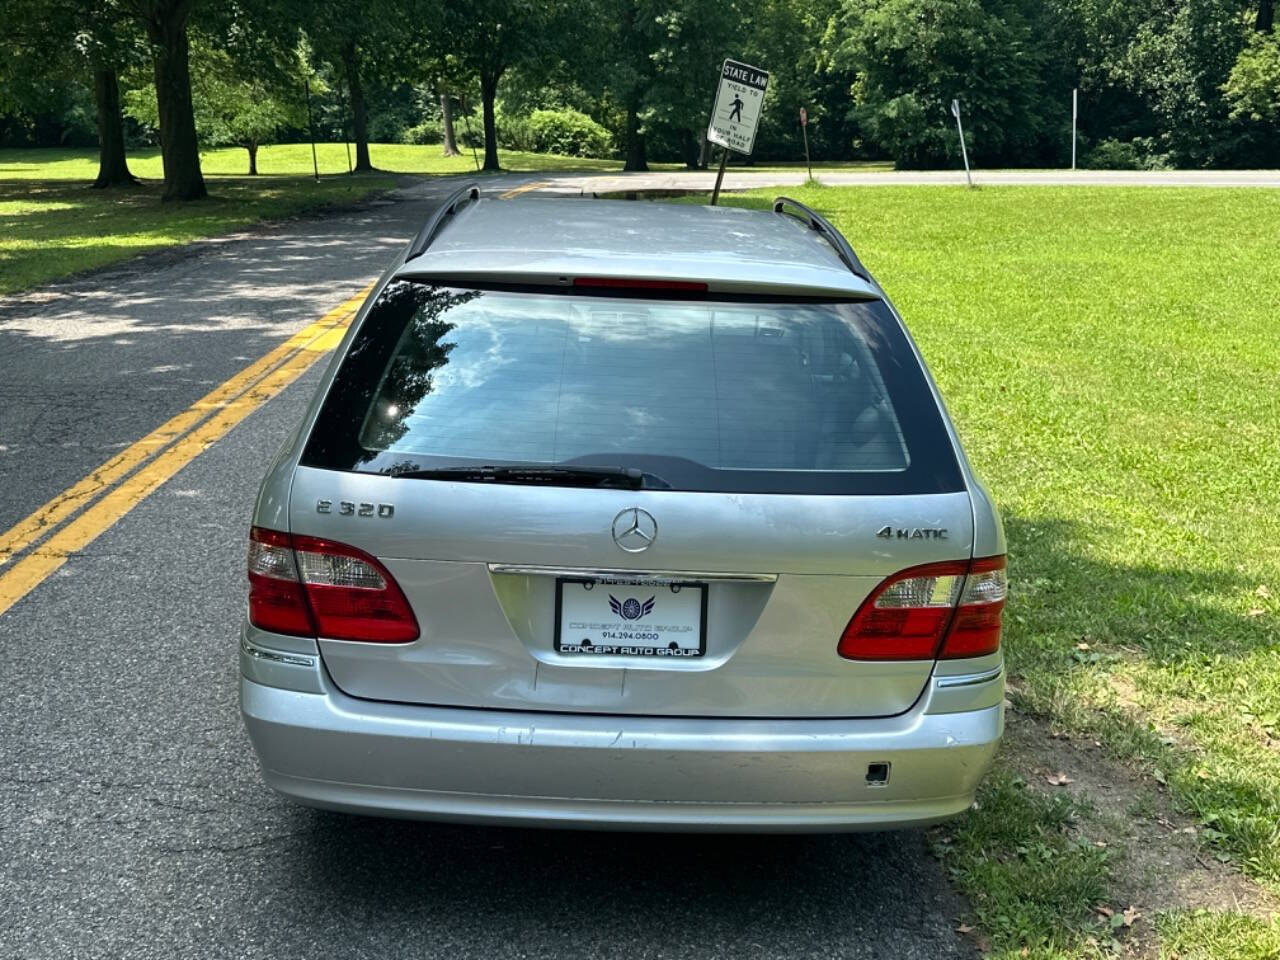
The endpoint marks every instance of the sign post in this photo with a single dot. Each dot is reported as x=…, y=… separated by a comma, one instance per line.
x=1075, y=104
x=306, y=88
x=964, y=151
x=736, y=113
x=804, y=131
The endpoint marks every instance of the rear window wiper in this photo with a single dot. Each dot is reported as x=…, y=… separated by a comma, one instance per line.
x=585, y=475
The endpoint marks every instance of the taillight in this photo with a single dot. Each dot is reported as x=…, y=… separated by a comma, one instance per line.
x=976, y=628
x=276, y=600
x=947, y=610
x=314, y=587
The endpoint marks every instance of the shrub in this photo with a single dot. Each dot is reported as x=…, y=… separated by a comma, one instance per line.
x=1136, y=154
x=426, y=132
x=565, y=132
x=1111, y=154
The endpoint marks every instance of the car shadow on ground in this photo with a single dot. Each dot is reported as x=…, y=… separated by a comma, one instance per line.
x=784, y=894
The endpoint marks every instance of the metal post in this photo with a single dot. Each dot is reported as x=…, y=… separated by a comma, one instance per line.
x=1075, y=108
x=350, y=117
x=724, y=158
x=306, y=86
x=345, y=142
x=466, y=118
x=964, y=151
x=804, y=130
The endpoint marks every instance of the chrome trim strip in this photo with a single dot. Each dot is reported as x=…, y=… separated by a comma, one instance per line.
x=276, y=656
x=971, y=679
x=664, y=576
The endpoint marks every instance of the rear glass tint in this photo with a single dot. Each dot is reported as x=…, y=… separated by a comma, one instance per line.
x=764, y=397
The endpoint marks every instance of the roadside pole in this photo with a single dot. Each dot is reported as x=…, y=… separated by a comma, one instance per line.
x=345, y=142
x=466, y=119
x=724, y=159
x=1075, y=105
x=964, y=151
x=306, y=87
x=735, y=113
x=804, y=131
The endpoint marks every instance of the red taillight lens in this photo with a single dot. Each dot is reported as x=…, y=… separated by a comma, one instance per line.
x=352, y=595
x=276, y=600
x=314, y=587
x=947, y=610
x=976, y=628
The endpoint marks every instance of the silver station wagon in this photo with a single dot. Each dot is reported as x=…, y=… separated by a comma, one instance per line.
x=627, y=515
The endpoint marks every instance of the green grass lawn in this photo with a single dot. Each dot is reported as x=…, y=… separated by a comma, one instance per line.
x=291, y=160
x=52, y=225
x=1112, y=359
x=50, y=228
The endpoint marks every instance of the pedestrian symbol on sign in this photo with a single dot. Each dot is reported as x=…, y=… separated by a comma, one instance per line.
x=736, y=112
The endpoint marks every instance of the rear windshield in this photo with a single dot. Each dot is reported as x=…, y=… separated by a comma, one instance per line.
x=759, y=397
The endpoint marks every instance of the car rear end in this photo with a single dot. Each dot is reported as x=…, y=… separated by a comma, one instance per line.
x=628, y=552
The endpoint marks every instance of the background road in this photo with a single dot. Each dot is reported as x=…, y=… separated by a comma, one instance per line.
x=133, y=822
x=745, y=179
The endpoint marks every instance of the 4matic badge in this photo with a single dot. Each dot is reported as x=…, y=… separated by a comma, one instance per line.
x=888, y=532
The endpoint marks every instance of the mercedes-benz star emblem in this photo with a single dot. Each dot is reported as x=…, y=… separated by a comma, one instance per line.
x=634, y=530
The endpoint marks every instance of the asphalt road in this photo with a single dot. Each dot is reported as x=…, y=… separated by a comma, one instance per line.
x=133, y=822
x=576, y=184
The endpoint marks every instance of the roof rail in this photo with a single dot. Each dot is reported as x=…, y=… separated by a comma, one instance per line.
x=433, y=226
x=818, y=223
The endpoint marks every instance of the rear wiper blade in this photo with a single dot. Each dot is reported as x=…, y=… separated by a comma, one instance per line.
x=585, y=475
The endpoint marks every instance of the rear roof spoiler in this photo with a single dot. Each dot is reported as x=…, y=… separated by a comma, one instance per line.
x=818, y=223
x=468, y=194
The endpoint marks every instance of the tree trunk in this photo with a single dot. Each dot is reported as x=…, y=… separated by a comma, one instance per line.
x=446, y=124
x=489, y=93
x=252, y=147
x=113, y=167
x=359, y=110
x=1266, y=20
x=635, y=143
x=179, y=149
x=689, y=147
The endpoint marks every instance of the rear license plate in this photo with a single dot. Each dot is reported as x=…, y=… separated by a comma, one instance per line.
x=630, y=618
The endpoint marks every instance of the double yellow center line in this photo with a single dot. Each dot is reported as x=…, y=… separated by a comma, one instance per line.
x=54, y=532
x=523, y=188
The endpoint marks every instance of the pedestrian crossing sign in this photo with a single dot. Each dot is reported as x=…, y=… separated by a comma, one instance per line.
x=738, y=104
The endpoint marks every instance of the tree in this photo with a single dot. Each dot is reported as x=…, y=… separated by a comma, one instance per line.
x=632, y=32
x=1160, y=71
x=791, y=38
x=694, y=39
x=51, y=39
x=165, y=22
x=1253, y=88
x=235, y=105
x=910, y=58
x=486, y=38
x=446, y=126
x=370, y=41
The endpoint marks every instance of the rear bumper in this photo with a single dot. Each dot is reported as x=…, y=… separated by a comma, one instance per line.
x=326, y=749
